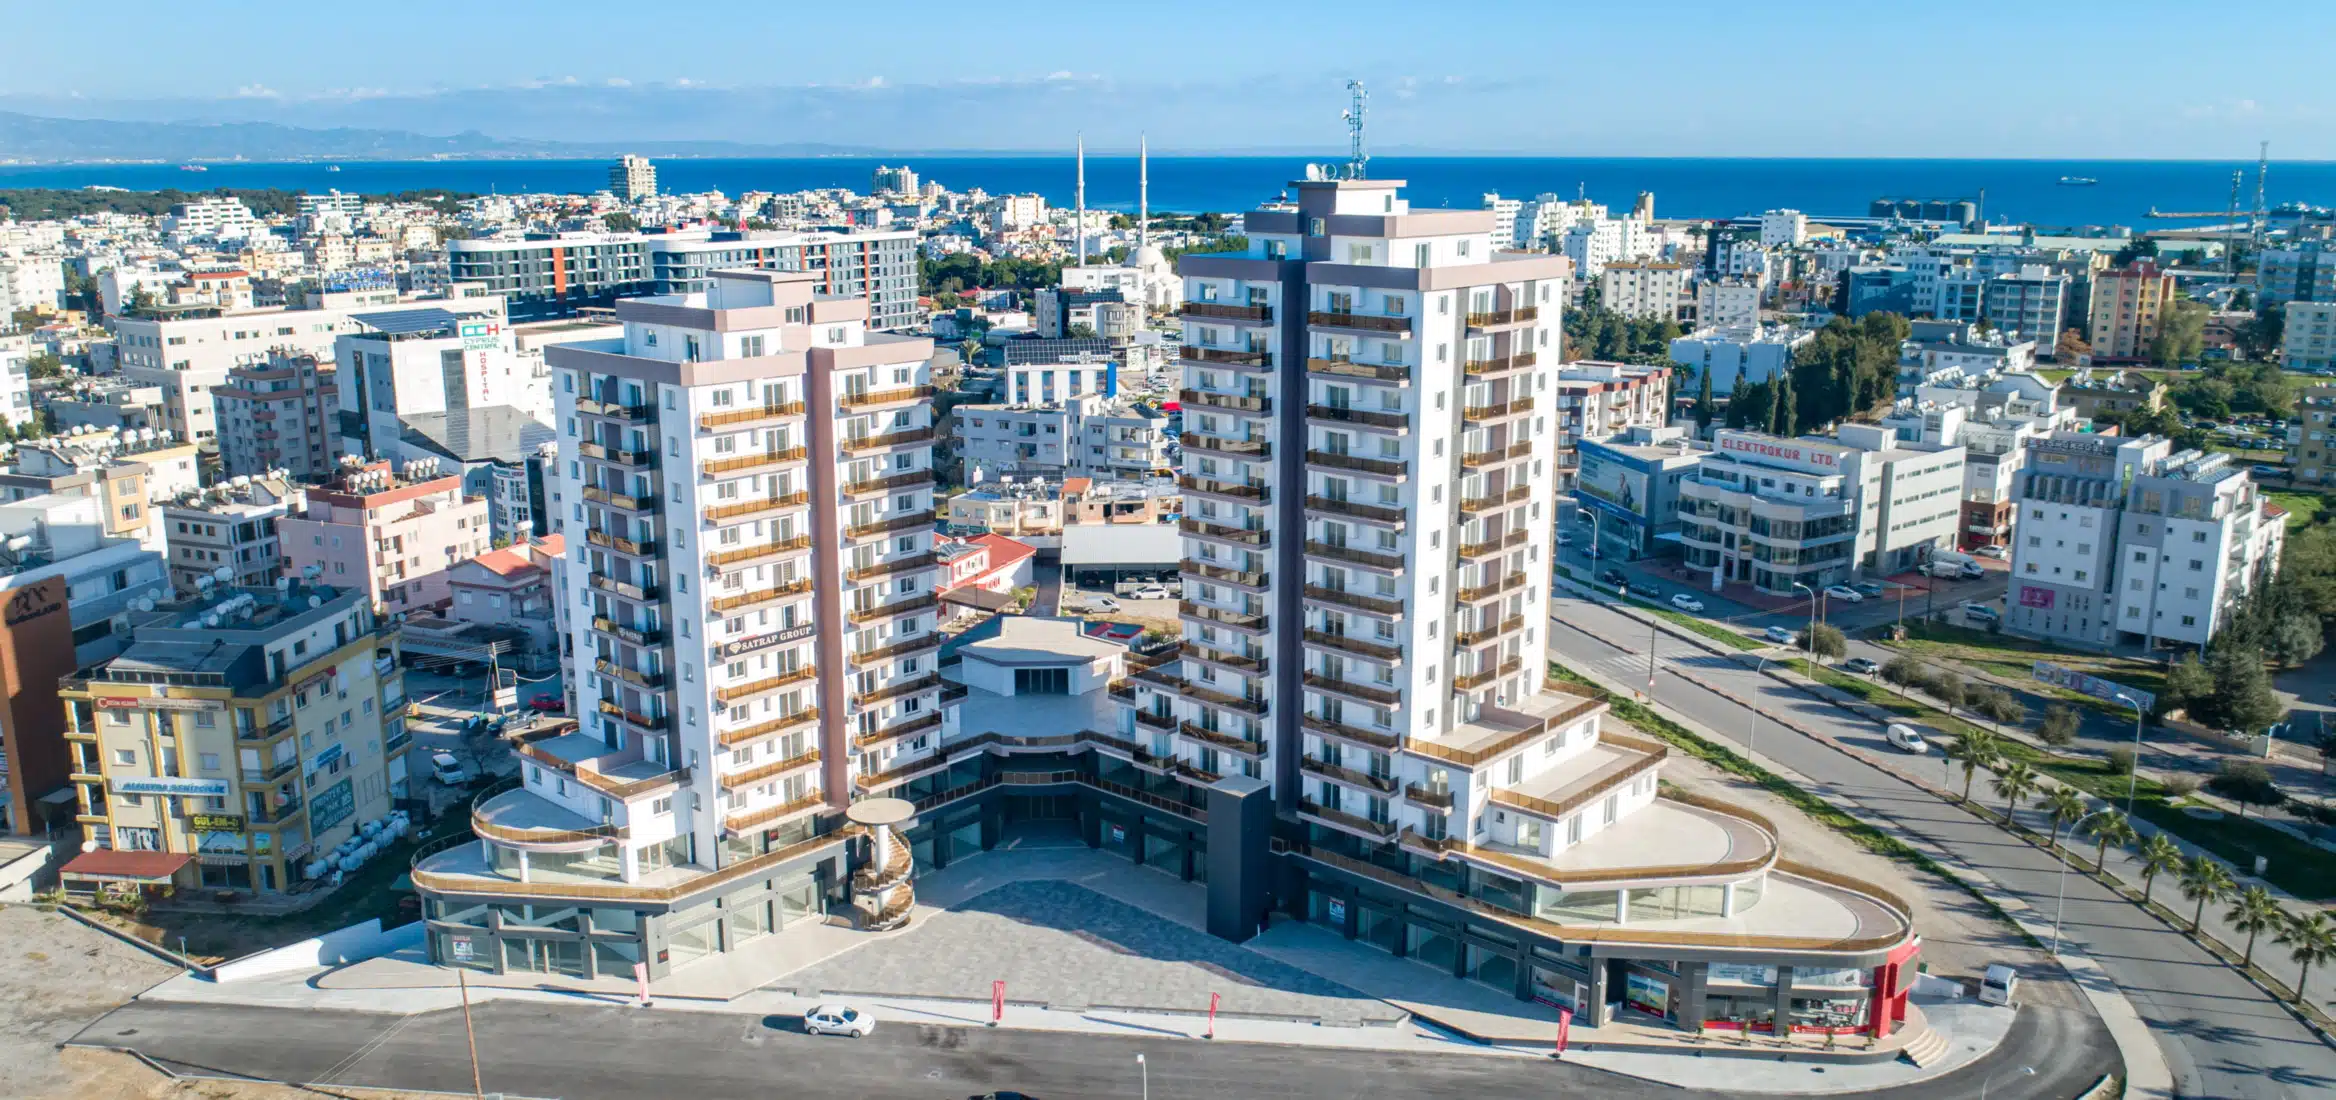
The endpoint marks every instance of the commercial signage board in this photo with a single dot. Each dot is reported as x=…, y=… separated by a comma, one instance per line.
x=1797, y=453
x=331, y=806
x=765, y=641
x=2086, y=683
x=216, y=823
x=156, y=702
x=481, y=335
x=171, y=786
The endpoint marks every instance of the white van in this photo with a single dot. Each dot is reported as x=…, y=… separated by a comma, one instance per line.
x=1950, y=570
x=1998, y=986
x=1906, y=738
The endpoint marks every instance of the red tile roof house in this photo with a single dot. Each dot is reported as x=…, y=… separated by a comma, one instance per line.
x=988, y=563
x=511, y=587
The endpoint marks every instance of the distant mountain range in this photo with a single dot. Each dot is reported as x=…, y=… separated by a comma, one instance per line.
x=35, y=139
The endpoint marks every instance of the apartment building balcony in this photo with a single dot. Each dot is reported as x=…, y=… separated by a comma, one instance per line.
x=1393, y=469
x=719, y=514
x=649, y=722
x=1499, y=410
x=1473, y=680
x=1469, y=639
x=1156, y=720
x=1245, y=578
x=1614, y=761
x=869, y=444
x=1374, y=323
x=622, y=502
x=1324, y=727
x=930, y=720
x=1471, y=551
x=521, y=818
x=728, y=419
x=925, y=560
x=1492, y=501
x=652, y=681
x=1384, y=420
x=638, y=460
x=1501, y=318
x=872, y=399
x=924, y=602
x=1390, y=515
x=1355, y=555
x=1428, y=797
x=1396, y=374
x=1496, y=731
x=1231, y=402
x=1490, y=589
x=1226, y=357
x=897, y=689
x=911, y=522
x=625, y=589
x=738, y=465
x=1345, y=822
x=889, y=778
x=773, y=770
x=808, y=716
x=903, y=480
x=742, y=822
x=1339, y=773
x=1223, y=739
x=1247, y=704
x=1382, y=696
x=742, y=601
x=1252, y=491
x=907, y=648
x=1384, y=606
x=1499, y=364
x=739, y=556
x=1253, y=664
x=589, y=761
x=619, y=631
x=631, y=548
x=1228, y=311
x=1237, y=448
x=630, y=414
x=1493, y=456
x=764, y=686
x=1245, y=536
x=1247, y=622
x=1378, y=651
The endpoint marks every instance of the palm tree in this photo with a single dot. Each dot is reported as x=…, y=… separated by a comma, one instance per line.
x=2204, y=881
x=2158, y=856
x=2110, y=828
x=2255, y=913
x=2065, y=807
x=2310, y=938
x=1975, y=750
x=2015, y=783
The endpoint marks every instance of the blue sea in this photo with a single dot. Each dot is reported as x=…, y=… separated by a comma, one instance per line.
x=2014, y=190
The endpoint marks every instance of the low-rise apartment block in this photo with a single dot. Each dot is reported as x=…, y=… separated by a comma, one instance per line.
x=1086, y=435
x=279, y=414
x=2308, y=342
x=126, y=472
x=2313, y=450
x=2106, y=395
x=1646, y=290
x=232, y=526
x=1597, y=400
x=2128, y=303
x=393, y=534
x=1785, y=514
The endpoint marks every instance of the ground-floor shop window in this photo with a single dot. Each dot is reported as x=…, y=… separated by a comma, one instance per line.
x=464, y=949
x=1381, y=929
x=615, y=960
x=1431, y=947
x=1328, y=910
x=1830, y=1013
x=1118, y=838
x=751, y=921
x=1755, y=1012
x=1676, y=902
x=1163, y=853
x=1560, y=988
x=798, y=901
x=965, y=840
x=523, y=954
x=1648, y=994
x=1575, y=905
x=691, y=944
x=1494, y=968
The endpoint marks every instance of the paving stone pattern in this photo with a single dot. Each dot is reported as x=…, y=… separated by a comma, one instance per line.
x=1064, y=944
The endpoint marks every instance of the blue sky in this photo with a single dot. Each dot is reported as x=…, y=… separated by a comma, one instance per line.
x=2041, y=78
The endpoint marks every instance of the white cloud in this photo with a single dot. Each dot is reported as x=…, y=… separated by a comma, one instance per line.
x=256, y=91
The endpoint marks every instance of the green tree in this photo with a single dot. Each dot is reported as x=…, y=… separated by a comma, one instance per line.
x=1787, y=422
x=2246, y=782
x=2187, y=682
x=2058, y=729
x=2158, y=855
x=1902, y=671
x=2064, y=806
x=2261, y=335
x=2014, y=784
x=2107, y=829
x=1999, y=707
x=2204, y=881
x=1775, y=392
x=2181, y=335
x=1827, y=642
x=1949, y=689
x=45, y=365
x=2255, y=912
x=2243, y=699
x=1973, y=751
x=2310, y=939
x=1703, y=402
x=2071, y=347
x=619, y=221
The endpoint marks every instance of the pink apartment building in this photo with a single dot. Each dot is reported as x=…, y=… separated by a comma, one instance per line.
x=398, y=534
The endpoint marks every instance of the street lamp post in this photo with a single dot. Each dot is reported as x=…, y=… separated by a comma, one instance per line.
x=2061, y=902
x=1585, y=513
x=1808, y=639
x=2132, y=774
x=1146, y=1071
x=2029, y=1071
x=1752, y=742
x=1654, y=624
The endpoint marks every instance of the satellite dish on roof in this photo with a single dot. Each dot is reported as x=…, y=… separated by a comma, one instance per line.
x=88, y=845
x=224, y=573
x=316, y=601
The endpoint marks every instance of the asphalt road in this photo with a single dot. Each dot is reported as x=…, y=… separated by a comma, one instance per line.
x=1049, y=577
x=597, y=1052
x=2222, y=1036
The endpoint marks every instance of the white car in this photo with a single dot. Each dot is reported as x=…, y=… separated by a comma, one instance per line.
x=1996, y=552
x=1564, y=539
x=838, y=1020
x=1152, y=592
x=1981, y=612
x=446, y=769
x=1906, y=738
x=1845, y=594
x=1685, y=602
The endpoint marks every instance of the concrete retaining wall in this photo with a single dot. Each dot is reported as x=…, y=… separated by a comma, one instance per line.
x=355, y=943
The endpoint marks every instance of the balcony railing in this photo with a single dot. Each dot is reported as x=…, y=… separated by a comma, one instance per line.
x=1247, y=536
x=612, y=455
x=1492, y=546
x=1377, y=605
x=1327, y=728
x=637, y=637
x=1247, y=578
x=1490, y=317
x=918, y=644
x=749, y=821
x=1496, y=500
x=738, y=555
x=1231, y=742
x=621, y=501
x=1383, y=829
x=929, y=720
x=719, y=467
x=1473, y=680
x=1471, y=757
x=897, y=689
x=903, y=607
x=887, y=568
x=729, y=418
x=1230, y=401
x=901, y=480
x=1369, y=418
x=1376, y=513
x=1369, y=372
x=1227, y=311
x=1236, y=619
x=763, y=686
x=1369, y=322
x=651, y=680
x=1498, y=364
x=1249, y=490
x=893, y=439
x=759, y=596
x=1251, y=664
x=1217, y=444
x=1494, y=455
x=757, y=774
x=635, y=548
x=1468, y=638
x=1380, y=467
x=626, y=589
x=884, y=397
x=780, y=724
x=1428, y=796
x=1355, y=555
x=723, y=513
x=1385, y=784
x=1386, y=696
x=1249, y=704
x=1497, y=409
x=911, y=522
x=1492, y=588
x=1237, y=357
x=1156, y=720
x=630, y=413
x=1378, y=651
x=643, y=721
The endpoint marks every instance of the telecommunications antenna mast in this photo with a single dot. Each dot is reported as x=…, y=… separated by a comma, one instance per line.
x=2262, y=169
x=1356, y=157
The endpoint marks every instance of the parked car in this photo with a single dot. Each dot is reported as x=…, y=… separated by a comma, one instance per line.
x=1150, y=592
x=1102, y=603
x=1685, y=602
x=1996, y=552
x=1999, y=986
x=1613, y=577
x=838, y=1020
x=1778, y=634
x=1864, y=666
x=1982, y=613
x=1565, y=539
x=1972, y=571
x=1869, y=588
x=1906, y=738
x=446, y=769
x=547, y=703
x=2267, y=471
x=1845, y=594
